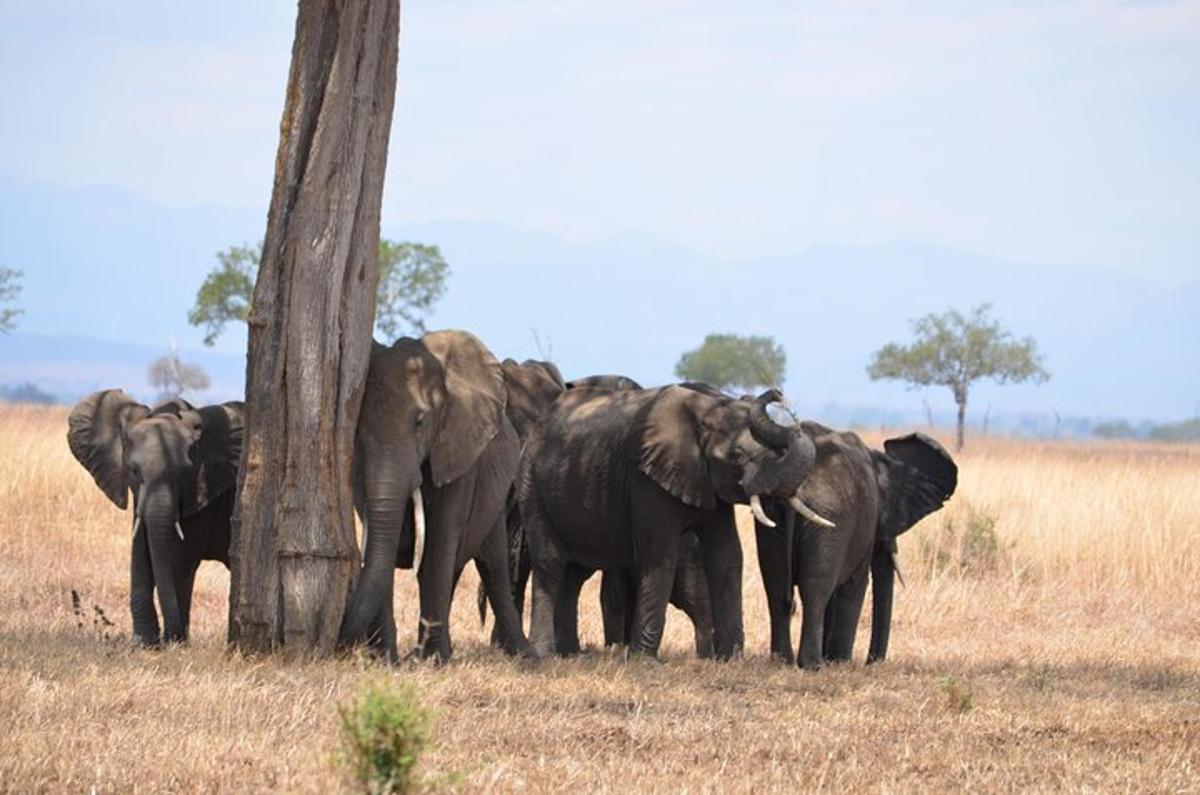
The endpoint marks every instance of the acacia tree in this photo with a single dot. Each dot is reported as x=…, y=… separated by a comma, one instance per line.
x=956, y=350
x=412, y=277
x=294, y=554
x=728, y=361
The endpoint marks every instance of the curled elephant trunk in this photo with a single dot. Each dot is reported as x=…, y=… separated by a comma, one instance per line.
x=763, y=428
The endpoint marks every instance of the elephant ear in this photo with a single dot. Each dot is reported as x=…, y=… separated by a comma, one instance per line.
x=917, y=475
x=475, y=402
x=216, y=451
x=95, y=432
x=670, y=453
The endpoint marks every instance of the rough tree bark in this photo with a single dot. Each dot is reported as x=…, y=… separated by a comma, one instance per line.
x=294, y=554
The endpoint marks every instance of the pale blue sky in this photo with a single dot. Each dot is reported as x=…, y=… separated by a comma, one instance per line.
x=1041, y=131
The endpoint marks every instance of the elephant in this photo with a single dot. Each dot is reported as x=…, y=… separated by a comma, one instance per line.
x=614, y=479
x=532, y=387
x=872, y=496
x=181, y=464
x=434, y=448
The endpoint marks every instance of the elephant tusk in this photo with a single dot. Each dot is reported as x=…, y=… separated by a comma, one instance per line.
x=808, y=513
x=896, y=568
x=178, y=530
x=759, y=514
x=137, y=523
x=419, y=522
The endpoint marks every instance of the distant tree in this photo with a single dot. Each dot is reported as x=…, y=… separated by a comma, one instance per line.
x=173, y=377
x=412, y=277
x=10, y=290
x=27, y=392
x=1114, y=429
x=1185, y=431
x=729, y=361
x=225, y=293
x=956, y=350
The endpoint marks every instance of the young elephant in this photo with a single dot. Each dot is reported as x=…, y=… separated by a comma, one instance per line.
x=615, y=480
x=873, y=497
x=181, y=465
x=433, y=445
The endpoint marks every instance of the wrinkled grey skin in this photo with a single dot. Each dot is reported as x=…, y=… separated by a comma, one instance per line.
x=533, y=386
x=433, y=417
x=617, y=479
x=180, y=463
x=872, y=497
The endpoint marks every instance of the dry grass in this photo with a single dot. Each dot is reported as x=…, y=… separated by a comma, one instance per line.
x=1067, y=657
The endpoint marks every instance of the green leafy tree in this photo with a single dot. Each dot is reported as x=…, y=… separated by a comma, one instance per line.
x=412, y=277
x=956, y=350
x=10, y=290
x=729, y=361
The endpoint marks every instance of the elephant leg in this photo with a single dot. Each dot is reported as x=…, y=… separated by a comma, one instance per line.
x=566, y=610
x=615, y=605
x=141, y=593
x=774, y=557
x=547, y=566
x=183, y=591
x=815, y=595
x=722, y=559
x=492, y=563
x=518, y=563
x=655, y=575
x=690, y=594
x=436, y=579
x=841, y=618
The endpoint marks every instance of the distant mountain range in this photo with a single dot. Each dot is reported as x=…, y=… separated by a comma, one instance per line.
x=110, y=276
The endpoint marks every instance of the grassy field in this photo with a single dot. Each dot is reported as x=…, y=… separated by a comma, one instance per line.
x=1048, y=639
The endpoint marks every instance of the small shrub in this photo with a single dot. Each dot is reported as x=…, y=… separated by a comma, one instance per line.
x=964, y=545
x=959, y=695
x=382, y=735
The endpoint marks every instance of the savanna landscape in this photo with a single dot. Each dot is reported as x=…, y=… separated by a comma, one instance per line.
x=1046, y=640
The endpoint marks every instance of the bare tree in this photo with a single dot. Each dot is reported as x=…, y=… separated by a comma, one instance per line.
x=174, y=378
x=294, y=553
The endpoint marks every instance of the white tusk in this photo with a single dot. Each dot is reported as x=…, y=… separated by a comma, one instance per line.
x=808, y=513
x=896, y=567
x=759, y=514
x=178, y=529
x=419, y=521
x=137, y=523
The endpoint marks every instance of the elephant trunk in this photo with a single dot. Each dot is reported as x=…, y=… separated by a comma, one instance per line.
x=160, y=520
x=141, y=586
x=387, y=495
x=883, y=572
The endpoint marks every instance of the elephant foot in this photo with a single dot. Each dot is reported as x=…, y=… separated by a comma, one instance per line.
x=141, y=642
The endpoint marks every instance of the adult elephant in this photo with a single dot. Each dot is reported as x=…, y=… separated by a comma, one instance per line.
x=614, y=479
x=533, y=386
x=434, y=449
x=872, y=496
x=181, y=464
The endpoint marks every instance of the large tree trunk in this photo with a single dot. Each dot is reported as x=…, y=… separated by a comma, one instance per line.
x=294, y=555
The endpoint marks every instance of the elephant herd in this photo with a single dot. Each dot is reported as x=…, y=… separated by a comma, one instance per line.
x=460, y=457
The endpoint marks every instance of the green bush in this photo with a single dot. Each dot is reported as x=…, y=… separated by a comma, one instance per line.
x=965, y=546
x=382, y=735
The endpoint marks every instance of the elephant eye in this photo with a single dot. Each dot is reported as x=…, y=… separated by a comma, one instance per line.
x=736, y=456
x=134, y=470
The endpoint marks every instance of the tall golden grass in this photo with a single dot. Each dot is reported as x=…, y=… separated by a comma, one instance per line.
x=1048, y=639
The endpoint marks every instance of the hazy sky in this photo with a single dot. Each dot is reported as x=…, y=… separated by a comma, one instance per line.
x=1045, y=131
